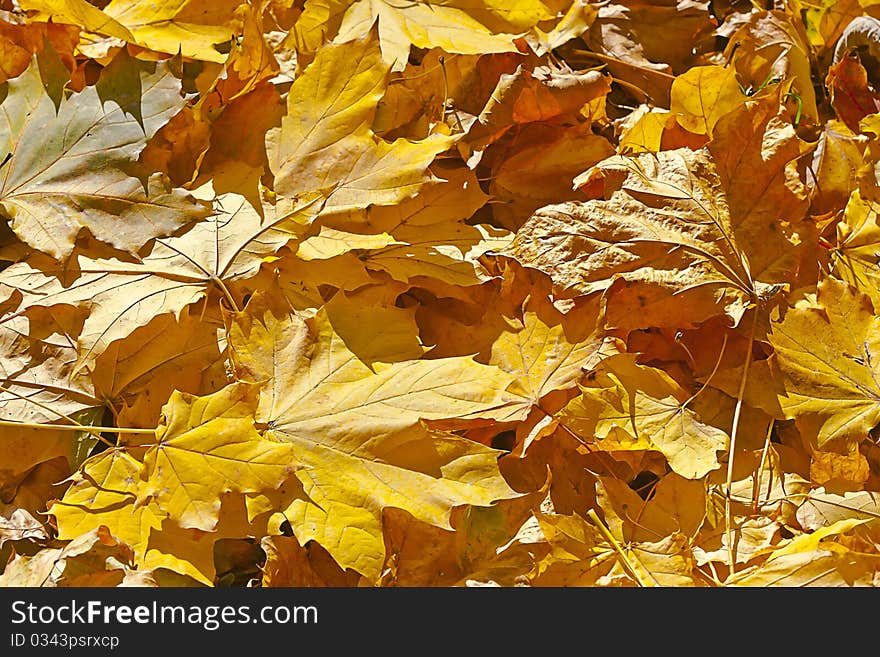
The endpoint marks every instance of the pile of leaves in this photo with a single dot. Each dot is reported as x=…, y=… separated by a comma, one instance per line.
x=374, y=293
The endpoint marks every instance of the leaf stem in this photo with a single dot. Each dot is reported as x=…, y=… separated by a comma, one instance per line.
x=74, y=427
x=598, y=453
x=714, y=573
x=756, y=489
x=712, y=374
x=731, y=548
x=226, y=293
x=625, y=562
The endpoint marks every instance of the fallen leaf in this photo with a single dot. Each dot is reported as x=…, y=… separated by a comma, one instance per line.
x=215, y=434
x=772, y=46
x=318, y=405
x=643, y=408
x=454, y=25
x=544, y=357
x=855, y=255
x=78, y=12
x=94, y=559
x=822, y=509
x=836, y=162
x=289, y=564
x=702, y=95
x=825, y=354
x=539, y=168
x=669, y=236
x=325, y=141
x=73, y=169
x=441, y=293
x=578, y=554
x=530, y=96
x=174, y=273
x=851, y=96
x=194, y=28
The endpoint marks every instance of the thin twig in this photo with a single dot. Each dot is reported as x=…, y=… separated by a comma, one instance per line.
x=757, y=483
x=731, y=548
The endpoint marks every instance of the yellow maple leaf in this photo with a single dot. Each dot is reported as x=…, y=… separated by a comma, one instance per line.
x=821, y=508
x=578, y=556
x=643, y=408
x=325, y=141
x=826, y=354
x=69, y=167
x=544, y=356
x=373, y=328
x=814, y=559
x=103, y=493
x=836, y=162
x=78, y=12
x=455, y=26
x=359, y=432
x=430, y=243
x=207, y=446
x=675, y=504
x=858, y=238
x=702, y=95
x=177, y=271
x=193, y=28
